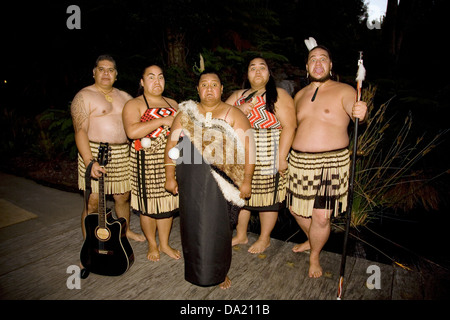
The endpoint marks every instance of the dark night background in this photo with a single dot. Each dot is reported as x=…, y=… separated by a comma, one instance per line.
x=44, y=64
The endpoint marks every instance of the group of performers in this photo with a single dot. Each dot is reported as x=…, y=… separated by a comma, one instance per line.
x=215, y=162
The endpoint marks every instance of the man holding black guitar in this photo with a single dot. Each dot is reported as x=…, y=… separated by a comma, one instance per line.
x=97, y=117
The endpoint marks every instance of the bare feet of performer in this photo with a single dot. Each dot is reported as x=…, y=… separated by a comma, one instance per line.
x=302, y=247
x=268, y=220
x=260, y=245
x=171, y=252
x=153, y=253
x=239, y=240
x=315, y=270
x=226, y=284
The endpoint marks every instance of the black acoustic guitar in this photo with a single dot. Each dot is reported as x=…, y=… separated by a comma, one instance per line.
x=106, y=250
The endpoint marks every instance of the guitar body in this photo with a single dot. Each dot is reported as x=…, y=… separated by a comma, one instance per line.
x=106, y=250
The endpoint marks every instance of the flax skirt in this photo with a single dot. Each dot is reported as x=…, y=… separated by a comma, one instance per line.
x=117, y=179
x=318, y=180
x=268, y=187
x=148, y=194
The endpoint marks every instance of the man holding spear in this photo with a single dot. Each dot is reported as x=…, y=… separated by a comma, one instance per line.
x=319, y=160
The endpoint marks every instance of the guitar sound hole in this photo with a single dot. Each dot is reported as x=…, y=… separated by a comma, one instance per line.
x=102, y=234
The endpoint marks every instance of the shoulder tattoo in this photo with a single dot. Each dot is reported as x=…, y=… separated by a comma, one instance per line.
x=78, y=111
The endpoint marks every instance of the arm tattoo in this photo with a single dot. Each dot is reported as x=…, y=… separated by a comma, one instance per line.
x=79, y=114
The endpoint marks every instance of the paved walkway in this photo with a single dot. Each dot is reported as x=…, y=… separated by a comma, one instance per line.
x=36, y=257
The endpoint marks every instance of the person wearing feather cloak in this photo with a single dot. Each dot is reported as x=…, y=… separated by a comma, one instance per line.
x=209, y=161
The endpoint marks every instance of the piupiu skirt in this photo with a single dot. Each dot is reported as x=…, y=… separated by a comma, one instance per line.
x=117, y=178
x=318, y=180
x=148, y=194
x=268, y=186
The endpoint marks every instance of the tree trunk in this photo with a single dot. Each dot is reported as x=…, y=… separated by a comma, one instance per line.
x=176, y=53
x=389, y=26
x=396, y=23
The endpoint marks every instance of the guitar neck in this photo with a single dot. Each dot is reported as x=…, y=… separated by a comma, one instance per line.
x=101, y=202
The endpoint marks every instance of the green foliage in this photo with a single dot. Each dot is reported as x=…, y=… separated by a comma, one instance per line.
x=47, y=136
x=56, y=135
x=180, y=84
x=232, y=64
x=383, y=168
x=17, y=132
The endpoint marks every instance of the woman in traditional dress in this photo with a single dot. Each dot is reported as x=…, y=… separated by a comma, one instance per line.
x=272, y=115
x=147, y=120
x=209, y=162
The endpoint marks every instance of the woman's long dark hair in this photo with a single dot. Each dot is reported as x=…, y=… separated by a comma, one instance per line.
x=271, y=88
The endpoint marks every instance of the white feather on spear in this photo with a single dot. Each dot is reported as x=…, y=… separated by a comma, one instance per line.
x=360, y=75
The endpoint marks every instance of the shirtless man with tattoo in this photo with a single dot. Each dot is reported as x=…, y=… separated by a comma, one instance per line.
x=97, y=117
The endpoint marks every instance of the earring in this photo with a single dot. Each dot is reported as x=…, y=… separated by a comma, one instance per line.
x=307, y=75
x=331, y=74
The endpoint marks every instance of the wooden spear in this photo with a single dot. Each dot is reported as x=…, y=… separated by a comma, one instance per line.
x=361, y=74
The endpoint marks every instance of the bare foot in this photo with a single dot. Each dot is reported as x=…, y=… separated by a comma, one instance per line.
x=259, y=246
x=315, y=270
x=301, y=247
x=153, y=254
x=226, y=284
x=239, y=240
x=171, y=252
x=134, y=236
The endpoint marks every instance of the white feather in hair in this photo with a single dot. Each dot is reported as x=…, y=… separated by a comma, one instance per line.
x=310, y=43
